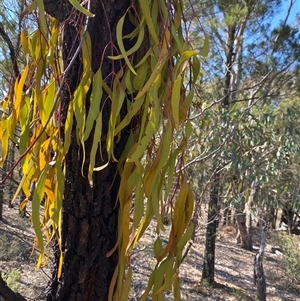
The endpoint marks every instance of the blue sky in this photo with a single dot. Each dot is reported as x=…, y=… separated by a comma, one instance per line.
x=294, y=12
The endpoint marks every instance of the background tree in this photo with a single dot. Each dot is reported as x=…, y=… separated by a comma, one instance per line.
x=250, y=60
x=10, y=58
x=102, y=104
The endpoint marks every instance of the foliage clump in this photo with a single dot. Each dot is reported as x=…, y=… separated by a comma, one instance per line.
x=12, y=279
x=291, y=255
x=9, y=248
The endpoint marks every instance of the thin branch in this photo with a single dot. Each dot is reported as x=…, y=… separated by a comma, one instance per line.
x=12, y=52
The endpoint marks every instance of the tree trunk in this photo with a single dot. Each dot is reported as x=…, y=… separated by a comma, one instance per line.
x=89, y=214
x=208, y=272
x=259, y=276
x=89, y=231
x=287, y=217
x=249, y=204
x=241, y=237
x=244, y=221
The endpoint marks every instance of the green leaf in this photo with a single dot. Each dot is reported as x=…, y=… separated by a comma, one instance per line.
x=80, y=8
x=175, y=100
x=205, y=49
x=121, y=45
x=136, y=46
x=94, y=103
x=149, y=19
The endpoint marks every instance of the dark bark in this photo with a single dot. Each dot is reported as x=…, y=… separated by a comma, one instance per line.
x=12, y=52
x=90, y=215
x=229, y=63
x=287, y=217
x=208, y=272
x=259, y=275
x=90, y=220
x=7, y=293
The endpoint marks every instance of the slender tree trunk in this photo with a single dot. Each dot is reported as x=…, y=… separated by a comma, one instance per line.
x=259, y=276
x=244, y=222
x=213, y=210
x=229, y=62
x=89, y=214
x=208, y=272
x=249, y=245
x=241, y=237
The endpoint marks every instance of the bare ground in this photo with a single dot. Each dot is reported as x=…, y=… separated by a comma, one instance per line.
x=233, y=270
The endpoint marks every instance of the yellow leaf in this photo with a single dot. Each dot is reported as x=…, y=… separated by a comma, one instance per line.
x=24, y=41
x=23, y=205
x=4, y=140
x=44, y=154
x=19, y=86
x=37, y=198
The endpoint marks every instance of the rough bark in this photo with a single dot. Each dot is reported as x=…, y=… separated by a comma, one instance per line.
x=259, y=276
x=90, y=215
x=208, y=272
x=230, y=56
x=244, y=221
x=241, y=228
x=12, y=52
x=287, y=217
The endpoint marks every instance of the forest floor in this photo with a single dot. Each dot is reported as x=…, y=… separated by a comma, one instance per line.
x=233, y=269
